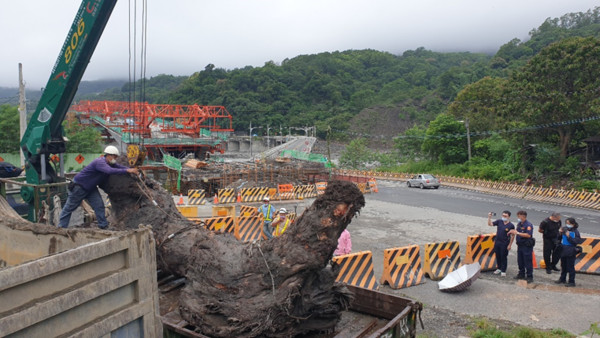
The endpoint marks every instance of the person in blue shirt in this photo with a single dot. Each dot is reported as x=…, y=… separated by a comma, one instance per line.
x=268, y=211
x=570, y=237
x=85, y=186
x=525, y=244
x=503, y=241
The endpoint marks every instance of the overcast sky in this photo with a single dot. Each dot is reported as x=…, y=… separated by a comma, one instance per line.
x=184, y=36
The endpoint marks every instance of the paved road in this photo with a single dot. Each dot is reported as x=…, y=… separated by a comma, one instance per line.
x=477, y=204
x=399, y=216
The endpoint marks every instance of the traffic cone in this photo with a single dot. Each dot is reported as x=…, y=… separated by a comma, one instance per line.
x=216, y=200
x=180, y=202
x=239, y=197
x=535, y=265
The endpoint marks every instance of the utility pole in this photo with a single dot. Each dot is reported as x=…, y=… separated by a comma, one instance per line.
x=268, y=140
x=22, y=110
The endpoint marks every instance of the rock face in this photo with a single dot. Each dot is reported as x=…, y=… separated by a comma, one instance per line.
x=276, y=288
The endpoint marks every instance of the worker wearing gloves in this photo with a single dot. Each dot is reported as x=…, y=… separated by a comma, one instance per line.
x=281, y=223
x=85, y=186
x=267, y=210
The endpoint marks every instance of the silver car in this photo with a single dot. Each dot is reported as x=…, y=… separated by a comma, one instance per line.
x=423, y=181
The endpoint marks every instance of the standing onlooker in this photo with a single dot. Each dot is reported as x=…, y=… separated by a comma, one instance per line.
x=503, y=241
x=549, y=227
x=525, y=244
x=344, y=244
x=570, y=238
x=268, y=211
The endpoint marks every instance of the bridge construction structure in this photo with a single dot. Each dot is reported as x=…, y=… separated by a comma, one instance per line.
x=159, y=128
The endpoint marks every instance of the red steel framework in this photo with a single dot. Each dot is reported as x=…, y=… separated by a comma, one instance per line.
x=170, y=118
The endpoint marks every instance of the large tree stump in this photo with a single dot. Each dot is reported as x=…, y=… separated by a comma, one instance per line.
x=276, y=288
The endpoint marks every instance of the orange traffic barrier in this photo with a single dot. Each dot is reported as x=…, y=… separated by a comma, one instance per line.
x=226, y=195
x=588, y=261
x=196, y=197
x=480, y=248
x=441, y=258
x=356, y=269
x=402, y=267
x=249, y=228
x=321, y=186
x=247, y=211
x=373, y=185
x=220, y=224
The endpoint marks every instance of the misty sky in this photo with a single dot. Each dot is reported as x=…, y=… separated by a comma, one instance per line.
x=184, y=36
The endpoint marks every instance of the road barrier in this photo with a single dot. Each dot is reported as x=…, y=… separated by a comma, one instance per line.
x=321, y=186
x=373, y=185
x=402, y=267
x=441, y=258
x=588, y=261
x=480, y=248
x=249, y=228
x=362, y=187
x=254, y=194
x=188, y=211
x=226, y=195
x=220, y=224
x=248, y=211
x=196, y=197
x=356, y=269
x=305, y=191
x=285, y=192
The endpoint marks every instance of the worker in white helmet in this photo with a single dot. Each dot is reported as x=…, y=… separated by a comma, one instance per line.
x=281, y=222
x=267, y=211
x=85, y=186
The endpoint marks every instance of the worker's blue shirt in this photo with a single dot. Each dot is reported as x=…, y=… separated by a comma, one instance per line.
x=502, y=230
x=524, y=227
x=97, y=172
x=268, y=211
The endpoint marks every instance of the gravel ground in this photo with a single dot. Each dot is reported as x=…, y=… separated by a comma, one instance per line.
x=500, y=300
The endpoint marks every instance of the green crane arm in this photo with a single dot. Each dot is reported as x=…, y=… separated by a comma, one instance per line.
x=44, y=134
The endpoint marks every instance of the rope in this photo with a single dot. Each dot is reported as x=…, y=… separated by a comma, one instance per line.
x=254, y=243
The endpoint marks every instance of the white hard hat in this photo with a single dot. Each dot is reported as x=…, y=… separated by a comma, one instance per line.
x=266, y=199
x=282, y=211
x=111, y=150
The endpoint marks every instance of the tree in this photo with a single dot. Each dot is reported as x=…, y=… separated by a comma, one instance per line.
x=356, y=154
x=9, y=124
x=409, y=145
x=82, y=139
x=560, y=84
x=445, y=140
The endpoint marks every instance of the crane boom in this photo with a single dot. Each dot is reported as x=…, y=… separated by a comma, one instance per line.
x=44, y=134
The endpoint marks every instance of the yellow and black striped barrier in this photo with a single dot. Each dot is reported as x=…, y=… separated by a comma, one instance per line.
x=356, y=269
x=588, y=261
x=248, y=211
x=402, y=267
x=480, y=248
x=441, y=258
x=256, y=194
x=305, y=191
x=249, y=228
x=226, y=195
x=196, y=197
x=220, y=224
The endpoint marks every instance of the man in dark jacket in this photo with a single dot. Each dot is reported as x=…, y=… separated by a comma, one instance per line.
x=549, y=227
x=85, y=186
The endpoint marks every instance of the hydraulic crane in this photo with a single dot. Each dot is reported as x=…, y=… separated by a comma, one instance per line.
x=44, y=135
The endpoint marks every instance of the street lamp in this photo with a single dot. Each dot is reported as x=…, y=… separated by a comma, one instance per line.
x=268, y=139
x=466, y=122
x=251, y=129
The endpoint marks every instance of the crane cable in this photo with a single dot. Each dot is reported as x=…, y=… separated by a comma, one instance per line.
x=133, y=59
